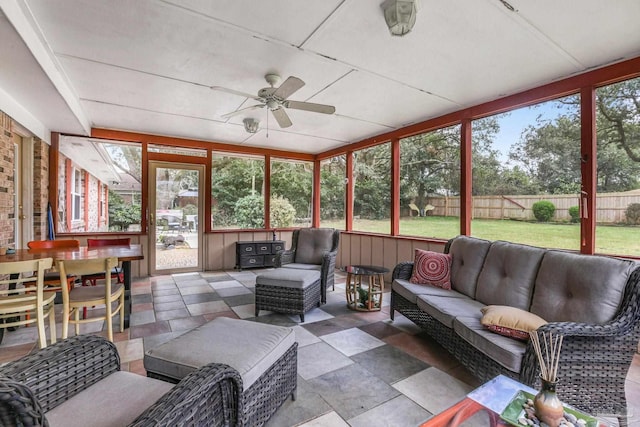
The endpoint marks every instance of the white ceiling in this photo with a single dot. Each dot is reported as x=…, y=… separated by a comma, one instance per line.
x=147, y=65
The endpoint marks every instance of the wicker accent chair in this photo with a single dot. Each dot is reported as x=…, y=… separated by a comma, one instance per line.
x=313, y=249
x=46, y=387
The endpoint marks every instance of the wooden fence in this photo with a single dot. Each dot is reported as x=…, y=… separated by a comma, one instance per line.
x=610, y=207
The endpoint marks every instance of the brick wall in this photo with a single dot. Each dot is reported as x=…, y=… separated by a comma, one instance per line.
x=7, y=186
x=40, y=185
x=40, y=188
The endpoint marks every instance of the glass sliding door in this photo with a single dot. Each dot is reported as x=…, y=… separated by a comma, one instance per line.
x=176, y=208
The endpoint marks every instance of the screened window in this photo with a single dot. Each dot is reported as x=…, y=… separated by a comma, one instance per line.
x=372, y=189
x=618, y=165
x=333, y=192
x=430, y=184
x=526, y=175
x=112, y=191
x=291, y=188
x=237, y=192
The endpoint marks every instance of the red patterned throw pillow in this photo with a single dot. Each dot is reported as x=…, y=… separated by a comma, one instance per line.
x=432, y=268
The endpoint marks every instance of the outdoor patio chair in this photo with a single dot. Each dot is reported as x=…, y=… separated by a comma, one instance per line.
x=313, y=249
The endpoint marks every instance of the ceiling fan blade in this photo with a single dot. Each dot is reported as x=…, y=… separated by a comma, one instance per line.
x=282, y=117
x=310, y=106
x=235, y=92
x=286, y=89
x=242, y=110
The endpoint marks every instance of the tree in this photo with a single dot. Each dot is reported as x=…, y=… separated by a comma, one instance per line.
x=549, y=152
x=372, y=182
x=429, y=166
x=122, y=214
x=232, y=179
x=332, y=188
x=293, y=181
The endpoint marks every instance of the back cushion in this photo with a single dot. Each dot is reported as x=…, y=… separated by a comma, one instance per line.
x=312, y=244
x=508, y=275
x=580, y=288
x=467, y=257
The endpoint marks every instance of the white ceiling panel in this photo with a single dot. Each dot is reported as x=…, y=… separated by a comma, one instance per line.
x=164, y=124
x=113, y=85
x=142, y=35
x=147, y=65
x=289, y=21
x=382, y=101
x=280, y=140
x=22, y=78
x=595, y=32
x=443, y=53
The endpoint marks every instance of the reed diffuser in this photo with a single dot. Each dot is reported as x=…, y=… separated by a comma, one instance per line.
x=547, y=405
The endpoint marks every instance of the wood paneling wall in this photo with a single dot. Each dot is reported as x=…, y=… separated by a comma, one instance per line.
x=383, y=251
x=355, y=248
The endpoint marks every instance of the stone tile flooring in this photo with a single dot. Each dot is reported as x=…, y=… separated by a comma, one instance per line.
x=354, y=369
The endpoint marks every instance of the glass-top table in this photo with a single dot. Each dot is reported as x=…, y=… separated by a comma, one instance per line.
x=493, y=397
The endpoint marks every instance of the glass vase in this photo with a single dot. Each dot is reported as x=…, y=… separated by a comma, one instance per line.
x=548, y=406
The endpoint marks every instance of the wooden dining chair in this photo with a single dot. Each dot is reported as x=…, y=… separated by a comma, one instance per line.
x=17, y=300
x=117, y=272
x=52, y=278
x=89, y=296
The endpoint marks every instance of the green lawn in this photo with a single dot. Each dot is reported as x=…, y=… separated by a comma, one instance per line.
x=610, y=239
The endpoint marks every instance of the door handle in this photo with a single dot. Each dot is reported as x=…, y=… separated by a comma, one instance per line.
x=151, y=220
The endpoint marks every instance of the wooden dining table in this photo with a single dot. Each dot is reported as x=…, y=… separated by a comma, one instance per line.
x=125, y=254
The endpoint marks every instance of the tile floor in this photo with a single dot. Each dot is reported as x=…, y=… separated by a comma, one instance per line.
x=354, y=369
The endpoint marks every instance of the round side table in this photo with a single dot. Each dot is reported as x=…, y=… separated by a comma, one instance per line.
x=365, y=295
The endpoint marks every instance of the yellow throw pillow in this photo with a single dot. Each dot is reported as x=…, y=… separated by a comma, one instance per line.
x=510, y=321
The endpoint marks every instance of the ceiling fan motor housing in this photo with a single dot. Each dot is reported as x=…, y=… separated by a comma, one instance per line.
x=272, y=102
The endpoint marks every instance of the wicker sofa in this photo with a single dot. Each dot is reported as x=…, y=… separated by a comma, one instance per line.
x=593, y=301
x=78, y=382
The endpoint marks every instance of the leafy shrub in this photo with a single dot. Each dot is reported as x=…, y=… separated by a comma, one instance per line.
x=249, y=212
x=543, y=210
x=574, y=213
x=282, y=212
x=633, y=214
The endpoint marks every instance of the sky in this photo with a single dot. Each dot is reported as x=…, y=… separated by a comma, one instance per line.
x=513, y=123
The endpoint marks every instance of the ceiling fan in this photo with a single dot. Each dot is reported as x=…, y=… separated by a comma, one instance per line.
x=276, y=99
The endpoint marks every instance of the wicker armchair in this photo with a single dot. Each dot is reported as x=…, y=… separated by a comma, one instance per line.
x=37, y=383
x=313, y=248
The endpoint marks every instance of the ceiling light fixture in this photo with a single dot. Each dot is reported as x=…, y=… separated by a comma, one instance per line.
x=251, y=125
x=400, y=15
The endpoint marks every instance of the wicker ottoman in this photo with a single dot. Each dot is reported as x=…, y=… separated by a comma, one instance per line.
x=264, y=355
x=287, y=290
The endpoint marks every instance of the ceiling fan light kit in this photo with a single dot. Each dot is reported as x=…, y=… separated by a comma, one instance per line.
x=251, y=125
x=400, y=16
x=276, y=100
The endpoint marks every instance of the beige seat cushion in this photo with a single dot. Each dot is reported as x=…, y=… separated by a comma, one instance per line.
x=114, y=401
x=249, y=347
